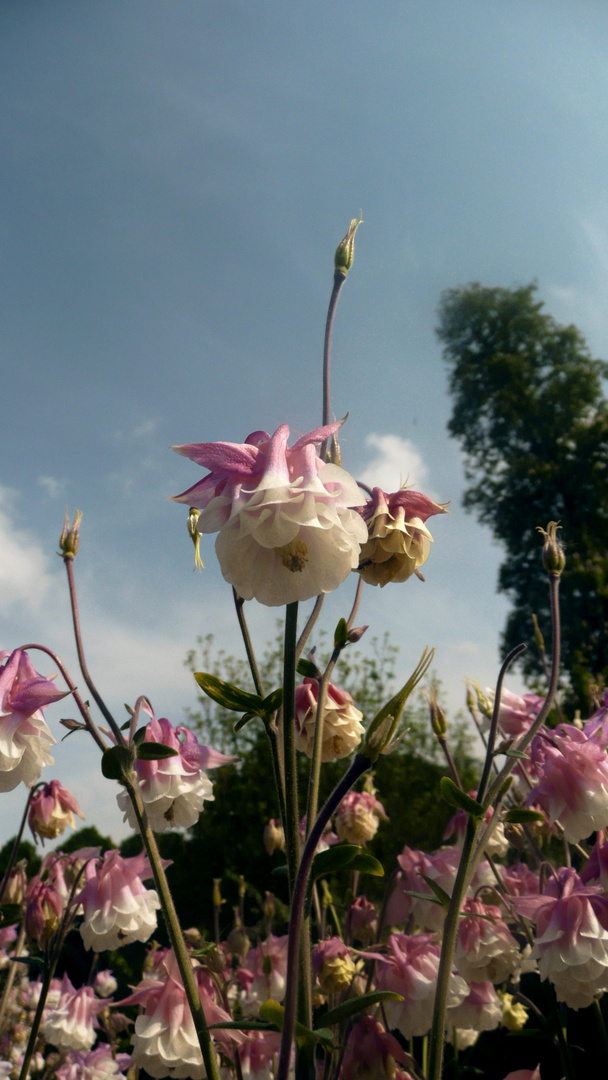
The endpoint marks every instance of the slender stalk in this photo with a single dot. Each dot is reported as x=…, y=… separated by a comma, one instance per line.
x=359, y=766
x=317, y=746
x=603, y=1034
x=494, y=722
x=339, y=279
x=292, y=813
x=306, y=632
x=10, y=978
x=82, y=708
x=239, y=604
x=68, y=562
x=15, y=848
x=175, y=934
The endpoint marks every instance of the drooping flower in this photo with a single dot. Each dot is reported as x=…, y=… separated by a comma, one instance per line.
x=410, y=968
x=481, y=1010
x=25, y=739
x=118, y=909
x=573, y=780
x=415, y=866
x=165, y=1042
x=263, y=974
x=361, y=921
x=333, y=965
x=342, y=727
x=371, y=1052
x=286, y=528
x=43, y=910
x=486, y=950
x=173, y=789
x=398, y=539
x=71, y=1025
x=358, y=817
x=52, y=811
x=571, y=940
x=517, y=711
x=98, y=1064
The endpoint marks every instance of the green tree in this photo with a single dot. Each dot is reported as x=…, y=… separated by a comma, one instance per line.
x=530, y=415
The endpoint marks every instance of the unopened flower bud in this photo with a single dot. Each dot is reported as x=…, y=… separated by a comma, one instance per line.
x=195, y=536
x=216, y=896
x=484, y=704
x=554, y=559
x=194, y=937
x=539, y=640
x=16, y=885
x=345, y=251
x=515, y=835
x=269, y=906
x=70, y=536
x=470, y=698
x=274, y=837
x=356, y=634
x=214, y=959
x=380, y=737
x=237, y=942
x=439, y=725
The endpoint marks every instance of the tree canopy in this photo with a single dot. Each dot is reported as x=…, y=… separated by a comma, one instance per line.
x=531, y=417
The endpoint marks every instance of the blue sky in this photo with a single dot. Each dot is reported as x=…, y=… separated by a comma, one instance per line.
x=174, y=180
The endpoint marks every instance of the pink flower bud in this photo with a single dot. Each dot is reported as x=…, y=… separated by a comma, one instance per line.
x=342, y=727
x=43, y=912
x=52, y=810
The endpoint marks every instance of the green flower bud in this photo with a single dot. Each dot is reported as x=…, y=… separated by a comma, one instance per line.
x=554, y=559
x=345, y=251
x=70, y=536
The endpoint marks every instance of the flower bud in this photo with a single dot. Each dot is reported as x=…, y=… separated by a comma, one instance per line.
x=70, y=536
x=274, y=837
x=380, y=737
x=554, y=559
x=237, y=942
x=345, y=251
x=439, y=724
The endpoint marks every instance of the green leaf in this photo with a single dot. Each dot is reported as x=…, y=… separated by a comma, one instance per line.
x=366, y=863
x=517, y=754
x=442, y=896
x=140, y=734
x=338, y=857
x=244, y=1025
x=116, y=761
x=355, y=1005
x=341, y=634
x=35, y=962
x=227, y=695
x=273, y=1012
x=240, y=723
x=307, y=669
x=154, y=751
x=455, y=796
x=274, y=701
x=520, y=816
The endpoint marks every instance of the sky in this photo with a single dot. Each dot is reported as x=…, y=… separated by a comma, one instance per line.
x=174, y=179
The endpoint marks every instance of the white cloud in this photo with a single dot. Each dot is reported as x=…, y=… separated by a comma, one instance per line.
x=25, y=575
x=396, y=462
x=52, y=486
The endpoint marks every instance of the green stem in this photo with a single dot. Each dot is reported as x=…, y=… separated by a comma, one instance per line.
x=175, y=934
x=317, y=746
x=292, y=812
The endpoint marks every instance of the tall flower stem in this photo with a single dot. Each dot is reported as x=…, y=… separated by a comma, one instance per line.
x=476, y=835
x=339, y=279
x=15, y=848
x=69, y=566
x=359, y=766
x=292, y=813
x=239, y=605
x=317, y=746
x=175, y=934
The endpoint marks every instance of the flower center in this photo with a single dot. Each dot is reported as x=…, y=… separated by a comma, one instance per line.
x=294, y=555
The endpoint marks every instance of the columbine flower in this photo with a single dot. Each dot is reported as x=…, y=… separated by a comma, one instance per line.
x=517, y=711
x=441, y=867
x=485, y=947
x=286, y=530
x=480, y=1011
x=117, y=907
x=571, y=937
x=333, y=965
x=371, y=1052
x=71, y=1025
x=573, y=780
x=98, y=1064
x=358, y=817
x=43, y=912
x=25, y=739
x=173, y=789
x=52, y=810
x=361, y=921
x=342, y=727
x=398, y=541
x=165, y=1042
x=263, y=974
x=410, y=968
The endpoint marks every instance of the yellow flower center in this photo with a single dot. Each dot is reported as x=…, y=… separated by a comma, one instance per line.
x=294, y=555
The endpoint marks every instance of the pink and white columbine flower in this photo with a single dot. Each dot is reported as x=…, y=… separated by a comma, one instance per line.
x=358, y=817
x=286, y=528
x=71, y=1025
x=398, y=540
x=571, y=937
x=165, y=1042
x=410, y=969
x=97, y=1064
x=25, y=739
x=117, y=907
x=173, y=789
x=485, y=947
x=573, y=780
x=481, y=1010
x=52, y=810
x=517, y=711
x=342, y=727
x=44, y=908
x=428, y=914
x=263, y=974
x=371, y=1052
x=333, y=965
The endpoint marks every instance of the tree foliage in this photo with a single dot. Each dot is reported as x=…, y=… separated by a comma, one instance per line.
x=530, y=415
